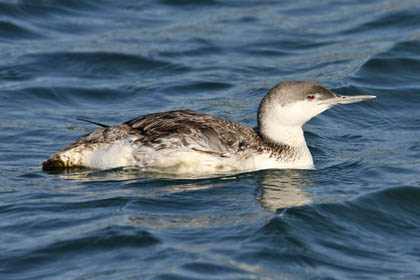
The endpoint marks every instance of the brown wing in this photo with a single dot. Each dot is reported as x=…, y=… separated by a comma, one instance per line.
x=105, y=135
x=221, y=135
x=185, y=126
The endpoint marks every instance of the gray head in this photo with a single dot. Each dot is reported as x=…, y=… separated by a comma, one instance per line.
x=296, y=102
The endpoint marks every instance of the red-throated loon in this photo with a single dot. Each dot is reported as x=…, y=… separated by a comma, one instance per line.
x=190, y=142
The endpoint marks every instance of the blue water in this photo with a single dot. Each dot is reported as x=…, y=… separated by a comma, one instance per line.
x=357, y=216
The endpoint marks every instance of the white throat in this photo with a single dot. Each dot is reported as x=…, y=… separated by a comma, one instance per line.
x=292, y=136
x=282, y=124
x=281, y=134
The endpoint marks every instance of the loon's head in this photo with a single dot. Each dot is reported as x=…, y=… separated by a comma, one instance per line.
x=293, y=103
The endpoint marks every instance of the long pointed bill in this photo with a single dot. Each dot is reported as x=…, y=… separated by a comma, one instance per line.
x=343, y=99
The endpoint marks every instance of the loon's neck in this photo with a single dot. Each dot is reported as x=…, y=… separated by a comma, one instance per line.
x=286, y=135
x=289, y=139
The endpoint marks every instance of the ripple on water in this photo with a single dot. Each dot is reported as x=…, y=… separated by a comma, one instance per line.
x=15, y=31
x=356, y=216
x=376, y=228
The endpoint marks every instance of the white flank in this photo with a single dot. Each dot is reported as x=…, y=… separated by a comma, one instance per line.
x=182, y=161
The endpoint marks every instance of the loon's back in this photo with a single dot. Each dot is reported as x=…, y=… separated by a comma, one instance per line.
x=193, y=130
x=176, y=139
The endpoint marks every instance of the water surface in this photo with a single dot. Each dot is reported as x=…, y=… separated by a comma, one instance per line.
x=355, y=217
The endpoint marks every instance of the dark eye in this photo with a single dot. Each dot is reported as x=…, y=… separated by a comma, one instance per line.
x=310, y=96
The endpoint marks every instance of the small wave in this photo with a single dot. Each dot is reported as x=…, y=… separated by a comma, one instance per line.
x=395, y=21
x=395, y=210
x=107, y=238
x=198, y=87
x=351, y=236
x=91, y=64
x=12, y=31
x=206, y=268
x=190, y=3
x=402, y=58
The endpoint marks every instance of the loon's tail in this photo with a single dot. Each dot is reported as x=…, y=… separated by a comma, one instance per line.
x=54, y=163
x=92, y=122
x=65, y=158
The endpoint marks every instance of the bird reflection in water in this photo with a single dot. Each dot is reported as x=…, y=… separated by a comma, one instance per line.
x=282, y=189
x=277, y=189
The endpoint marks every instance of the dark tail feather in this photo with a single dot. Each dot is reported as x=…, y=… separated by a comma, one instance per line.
x=92, y=122
x=53, y=163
